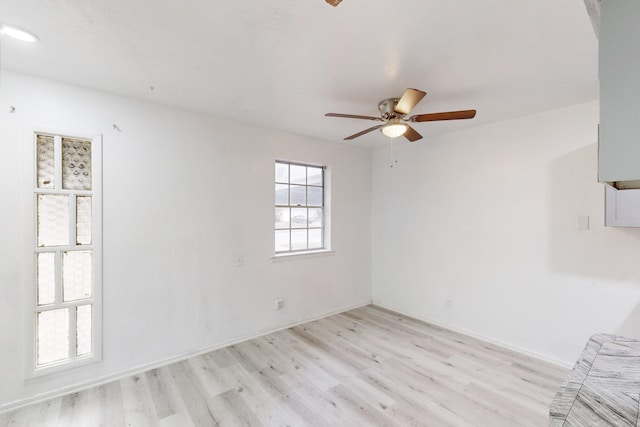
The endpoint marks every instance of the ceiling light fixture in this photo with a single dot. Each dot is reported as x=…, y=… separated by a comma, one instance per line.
x=334, y=3
x=17, y=34
x=394, y=128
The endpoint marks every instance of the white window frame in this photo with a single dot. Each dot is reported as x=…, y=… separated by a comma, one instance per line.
x=32, y=369
x=326, y=211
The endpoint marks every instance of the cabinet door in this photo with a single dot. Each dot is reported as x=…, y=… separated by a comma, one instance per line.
x=619, y=68
x=622, y=207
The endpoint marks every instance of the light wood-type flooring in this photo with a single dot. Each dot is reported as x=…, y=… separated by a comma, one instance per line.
x=365, y=367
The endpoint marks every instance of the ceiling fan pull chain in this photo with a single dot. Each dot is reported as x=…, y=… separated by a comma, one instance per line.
x=392, y=161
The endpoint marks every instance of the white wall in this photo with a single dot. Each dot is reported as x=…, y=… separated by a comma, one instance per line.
x=183, y=194
x=484, y=217
x=487, y=218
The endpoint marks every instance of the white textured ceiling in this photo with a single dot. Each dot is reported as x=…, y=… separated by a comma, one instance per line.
x=285, y=63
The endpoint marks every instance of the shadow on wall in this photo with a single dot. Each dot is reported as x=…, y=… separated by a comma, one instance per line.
x=631, y=325
x=598, y=252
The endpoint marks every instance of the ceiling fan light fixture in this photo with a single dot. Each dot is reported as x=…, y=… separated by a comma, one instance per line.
x=394, y=128
x=18, y=34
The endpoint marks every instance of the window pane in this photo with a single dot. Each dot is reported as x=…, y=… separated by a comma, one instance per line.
x=298, y=174
x=46, y=165
x=298, y=217
x=53, y=220
x=76, y=164
x=298, y=195
x=282, y=217
x=282, y=172
x=46, y=278
x=53, y=336
x=282, y=240
x=315, y=238
x=83, y=330
x=83, y=220
x=298, y=239
x=76, y=275
x=314, y=176
x=299, y=212
x=314, y=195
x=315, y=217
x=282, y=194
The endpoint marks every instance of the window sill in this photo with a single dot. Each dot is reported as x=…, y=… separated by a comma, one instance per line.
x=298, y=255
x=63, y=366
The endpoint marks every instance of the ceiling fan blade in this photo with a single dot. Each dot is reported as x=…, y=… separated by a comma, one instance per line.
x=353, y=116
x=355, y=135
x=450, y=115
x=412, y=135
x=409, y=99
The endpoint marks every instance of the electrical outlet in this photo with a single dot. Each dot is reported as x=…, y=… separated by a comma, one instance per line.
x=449, y=302
x=279, y=303
x=239, y=260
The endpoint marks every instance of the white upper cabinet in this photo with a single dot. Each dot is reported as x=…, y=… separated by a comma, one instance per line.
x=619, y=147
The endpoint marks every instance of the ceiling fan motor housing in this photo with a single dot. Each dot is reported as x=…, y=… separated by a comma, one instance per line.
x=387, y=108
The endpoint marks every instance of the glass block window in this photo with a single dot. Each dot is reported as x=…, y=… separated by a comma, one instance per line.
x=53, y=219
x=83, y=329
x=76, y=275
x=83, y=220
x=76, y=164
x=53, y=336
x=67, y=236
x=299, y=207
x=46, y=278
x=46, y=177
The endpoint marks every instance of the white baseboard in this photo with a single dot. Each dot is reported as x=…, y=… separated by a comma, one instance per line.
x=494, y=341
x=84, y=385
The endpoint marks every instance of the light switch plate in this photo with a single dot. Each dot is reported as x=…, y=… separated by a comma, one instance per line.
x=582, y=222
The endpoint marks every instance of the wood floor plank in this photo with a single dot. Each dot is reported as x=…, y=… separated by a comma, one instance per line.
x=89, y=408
x=466, y=405
x=221, y=358
x=164, y=394
x=21, y=417
x=270, y=380
x=72, y=409
x=231, y=410
x=138, y=404
x=361, y=411
x=112, y=403
x=303, y=365
x=266, y=407
x=46, y=413
x=192, y=394
x=437, y=414
x=179, y=419
x=244, y=355
x=365, y=367
x=318, y=399
x=214, y=380
x=315, y=360
x=277, y=358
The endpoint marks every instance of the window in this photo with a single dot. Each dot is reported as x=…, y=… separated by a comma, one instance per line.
x=299, y=207
x=67, y=250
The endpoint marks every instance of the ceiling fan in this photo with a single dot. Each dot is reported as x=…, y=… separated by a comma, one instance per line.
x=393, y=112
